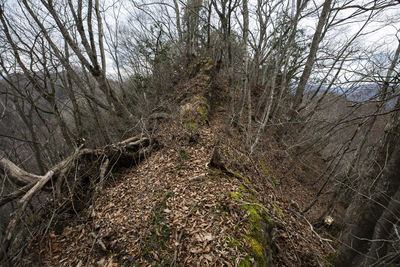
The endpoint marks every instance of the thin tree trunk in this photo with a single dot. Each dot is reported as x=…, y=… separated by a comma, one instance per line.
x=36, y=147
x=178, y=21
x=383, y=230
x=311, y=57
x=236, y=118
x=267, y=110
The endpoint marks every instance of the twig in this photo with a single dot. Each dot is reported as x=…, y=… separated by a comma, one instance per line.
x=180, y=236
x=319, y=237
x=16, y=194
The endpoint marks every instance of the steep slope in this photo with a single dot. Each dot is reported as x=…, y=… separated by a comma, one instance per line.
x=199, y=200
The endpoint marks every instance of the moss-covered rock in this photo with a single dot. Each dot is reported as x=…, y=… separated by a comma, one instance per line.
x=259, y=239
x=195, y=110
x=195, y=107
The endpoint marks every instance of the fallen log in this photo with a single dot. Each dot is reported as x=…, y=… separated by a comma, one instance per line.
x=126, y=153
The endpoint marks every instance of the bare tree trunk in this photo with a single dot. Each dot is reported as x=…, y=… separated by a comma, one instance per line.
x=311, y=58
x=267, y=110
x=209, y=9
x=246, y=87
x=244, y=95
x=383, y=230
x=192, y=19
x=67, y=81
x=178, y=21
x=16, y=174
x=36, y=147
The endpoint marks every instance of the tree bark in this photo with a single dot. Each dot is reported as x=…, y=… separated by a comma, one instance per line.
x=178, y=21
x=311, y=58
x=16, y=174
x=383, y=230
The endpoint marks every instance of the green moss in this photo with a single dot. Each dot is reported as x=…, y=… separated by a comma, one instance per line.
x=254, y=213
x=236, y=195
x=278, y=210
x=239, y=176
x=259, y=241
x=206, y=66
x=195, y=110
x=242, y=188
x=203, y=114
x=245, y=262
x=190, y=125
x=203, y=108
x=255, y=246
x=269, y=175
x=232, y=242
x=274, y=180
x=242, y=178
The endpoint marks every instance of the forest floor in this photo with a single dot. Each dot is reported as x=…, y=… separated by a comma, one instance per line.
x=175, y=209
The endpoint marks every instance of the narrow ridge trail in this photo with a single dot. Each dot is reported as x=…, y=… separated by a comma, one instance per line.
x=170, y=209
x=179, y=208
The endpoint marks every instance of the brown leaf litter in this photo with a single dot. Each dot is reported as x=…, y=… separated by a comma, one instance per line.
x=174, y=209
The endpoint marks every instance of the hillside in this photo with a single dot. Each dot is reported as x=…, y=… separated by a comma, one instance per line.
x=199, y=133
x=197, y=200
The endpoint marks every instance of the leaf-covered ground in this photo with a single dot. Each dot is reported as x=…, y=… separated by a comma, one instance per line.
x=173, y=209
x=177, y=209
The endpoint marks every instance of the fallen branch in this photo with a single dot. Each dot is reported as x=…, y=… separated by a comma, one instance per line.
x=16, y=194
x=126, y=153
x=22, y=203
x=16, y=174
x=321, y=239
